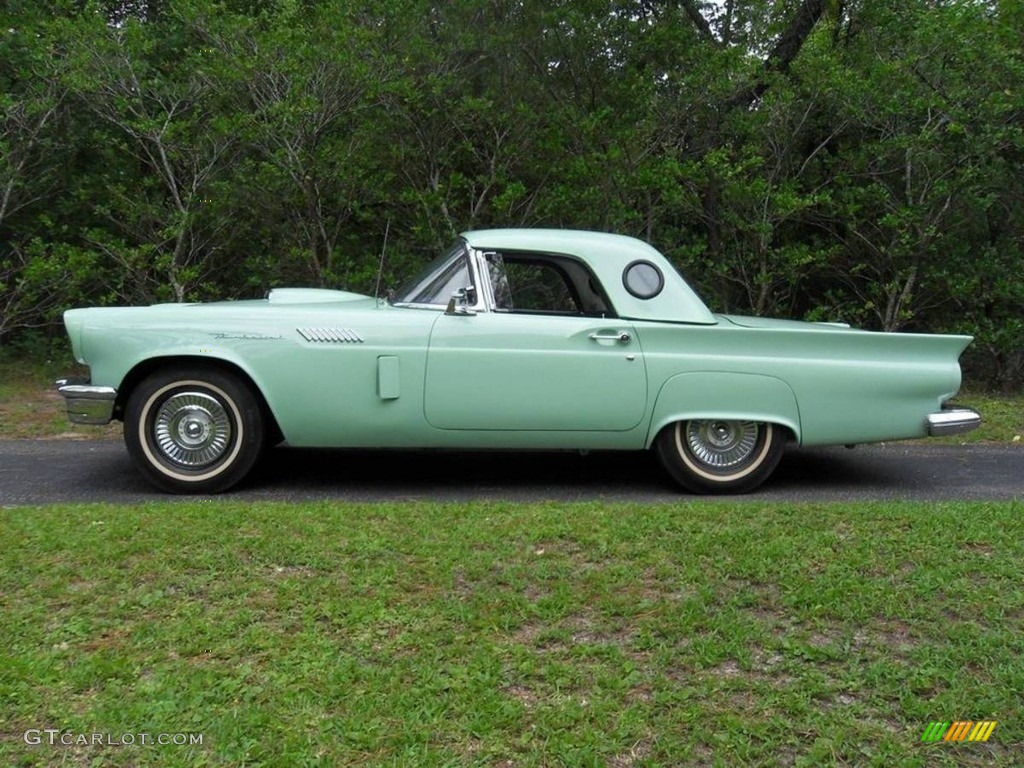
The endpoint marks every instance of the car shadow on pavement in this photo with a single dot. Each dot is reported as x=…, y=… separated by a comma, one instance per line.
x=551, y=474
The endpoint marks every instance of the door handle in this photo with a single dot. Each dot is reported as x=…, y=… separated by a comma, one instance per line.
x=622, y=337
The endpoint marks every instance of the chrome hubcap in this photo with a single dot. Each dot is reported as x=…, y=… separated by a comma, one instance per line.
x=721, y=444
x=192, y=429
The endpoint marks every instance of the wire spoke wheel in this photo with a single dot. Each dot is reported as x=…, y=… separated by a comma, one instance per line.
x=720, y=455
x=192, y=429
x=721, y=445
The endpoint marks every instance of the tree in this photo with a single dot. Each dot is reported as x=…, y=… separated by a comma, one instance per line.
x=834, y=159
x=151, y=91
x=308, y=80
x=32, y=104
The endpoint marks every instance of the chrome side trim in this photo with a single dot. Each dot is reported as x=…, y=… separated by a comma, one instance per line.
x=953, y=421
x=87, y=404
x=330, y=335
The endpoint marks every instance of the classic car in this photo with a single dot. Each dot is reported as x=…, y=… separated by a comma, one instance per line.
x=513, y=339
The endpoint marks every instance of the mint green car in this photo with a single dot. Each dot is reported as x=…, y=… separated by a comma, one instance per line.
x=515, y=339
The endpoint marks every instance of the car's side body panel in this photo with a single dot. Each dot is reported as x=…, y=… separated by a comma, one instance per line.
x=827, y=384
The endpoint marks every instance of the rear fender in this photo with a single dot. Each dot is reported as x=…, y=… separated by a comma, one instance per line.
x=723, y=395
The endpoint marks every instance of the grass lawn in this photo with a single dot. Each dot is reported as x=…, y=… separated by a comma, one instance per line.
x=491, y=634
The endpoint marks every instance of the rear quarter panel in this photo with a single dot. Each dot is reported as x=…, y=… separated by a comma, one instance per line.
x=829, y=385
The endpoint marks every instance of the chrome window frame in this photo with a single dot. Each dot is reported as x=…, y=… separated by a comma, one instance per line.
x=473, y=258
x=484, y=289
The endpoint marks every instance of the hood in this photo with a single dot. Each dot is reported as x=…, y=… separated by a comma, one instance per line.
x=276, y=297
x=311, y=296
x=279, y=300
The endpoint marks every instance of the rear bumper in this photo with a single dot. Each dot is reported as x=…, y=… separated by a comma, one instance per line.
x=953, y=421
x=87, y=404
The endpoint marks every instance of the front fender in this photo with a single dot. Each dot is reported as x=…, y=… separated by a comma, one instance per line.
x=723, y=395
x=124, y=362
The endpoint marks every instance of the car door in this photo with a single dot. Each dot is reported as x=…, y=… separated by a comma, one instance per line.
x=536, y=362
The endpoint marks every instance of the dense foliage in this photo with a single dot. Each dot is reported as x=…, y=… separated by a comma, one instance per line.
x=830, y=159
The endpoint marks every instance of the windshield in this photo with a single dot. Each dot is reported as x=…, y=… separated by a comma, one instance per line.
x=438, y=280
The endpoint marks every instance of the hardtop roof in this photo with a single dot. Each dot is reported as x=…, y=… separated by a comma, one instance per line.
x=576, y=242
x=607, y=255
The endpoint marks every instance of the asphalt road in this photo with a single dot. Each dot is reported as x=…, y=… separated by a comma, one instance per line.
x=53, y=471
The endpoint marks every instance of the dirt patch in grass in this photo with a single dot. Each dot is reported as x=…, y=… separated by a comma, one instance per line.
x=31, y=408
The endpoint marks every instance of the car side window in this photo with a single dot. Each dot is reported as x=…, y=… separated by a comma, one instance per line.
x=535, y=286
x=436, y=285
x=544, y=284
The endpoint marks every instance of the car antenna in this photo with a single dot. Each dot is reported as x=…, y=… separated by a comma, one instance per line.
x=380, y=268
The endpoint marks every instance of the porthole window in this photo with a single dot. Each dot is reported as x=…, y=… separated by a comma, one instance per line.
x=643, y=279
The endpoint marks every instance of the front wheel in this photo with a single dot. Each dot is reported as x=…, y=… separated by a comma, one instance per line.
x=720, y=455
x=193, y=430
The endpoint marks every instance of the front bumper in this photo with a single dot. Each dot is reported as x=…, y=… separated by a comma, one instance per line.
x=953, y=421
x=87, y=404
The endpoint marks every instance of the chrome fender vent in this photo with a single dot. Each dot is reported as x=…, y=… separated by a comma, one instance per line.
x=330, y=335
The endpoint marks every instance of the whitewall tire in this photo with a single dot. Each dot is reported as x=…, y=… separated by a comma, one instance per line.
x=193, y=430
x=720, y=455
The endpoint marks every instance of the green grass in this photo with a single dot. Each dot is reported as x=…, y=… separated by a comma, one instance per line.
x=498, y=634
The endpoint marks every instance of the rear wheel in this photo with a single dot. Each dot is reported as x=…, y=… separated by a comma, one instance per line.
x=720, y=455
x=193, y=430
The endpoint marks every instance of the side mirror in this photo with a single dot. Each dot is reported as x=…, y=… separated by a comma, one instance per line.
x=462, y=301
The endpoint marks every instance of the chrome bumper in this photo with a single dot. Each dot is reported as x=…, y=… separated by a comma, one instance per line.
x=87, y=404
x=953, y=421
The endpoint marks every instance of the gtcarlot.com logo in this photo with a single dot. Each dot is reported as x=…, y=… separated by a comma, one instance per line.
x=55, y=737
x=961, y=730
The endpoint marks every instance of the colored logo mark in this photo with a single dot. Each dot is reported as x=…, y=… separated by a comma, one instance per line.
x=961, y=730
